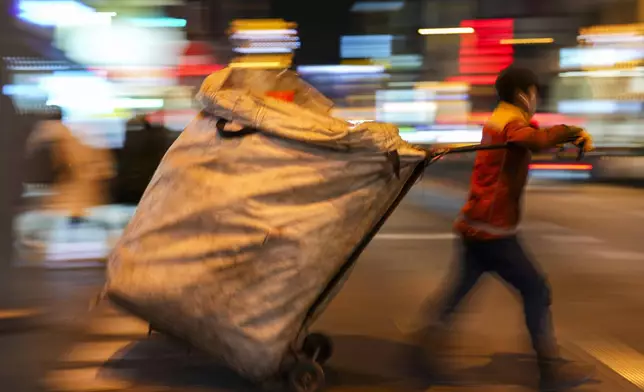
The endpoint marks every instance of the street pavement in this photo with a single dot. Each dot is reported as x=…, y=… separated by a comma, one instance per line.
x=586, y=237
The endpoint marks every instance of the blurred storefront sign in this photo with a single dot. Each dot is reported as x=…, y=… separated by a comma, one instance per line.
x=393, y=63
x=263, y=43
x=26, y=85
x=601, y=80
x=377, y=6
x=124, y=4
x=482, y=55
x=366, y=46
x=588, y=57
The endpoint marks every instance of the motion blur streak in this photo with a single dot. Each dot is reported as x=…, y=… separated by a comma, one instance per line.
x=446, y=31
x=554, y=166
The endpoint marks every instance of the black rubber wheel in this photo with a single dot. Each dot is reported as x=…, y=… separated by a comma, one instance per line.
x=318, y=347
x=306, y=376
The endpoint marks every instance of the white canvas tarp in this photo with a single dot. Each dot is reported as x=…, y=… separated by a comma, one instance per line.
x=235, y=238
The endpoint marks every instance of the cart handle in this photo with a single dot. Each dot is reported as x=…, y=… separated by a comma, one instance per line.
x=478, y=147
x=580, y=148
x=435, y=155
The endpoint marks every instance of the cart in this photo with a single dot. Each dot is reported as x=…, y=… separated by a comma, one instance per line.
x=302, y=369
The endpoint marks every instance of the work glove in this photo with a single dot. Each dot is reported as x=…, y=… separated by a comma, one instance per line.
x=583, y=137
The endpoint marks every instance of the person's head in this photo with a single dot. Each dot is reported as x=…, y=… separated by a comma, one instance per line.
x=55, y=113
x=518, y=86
x=139, y=122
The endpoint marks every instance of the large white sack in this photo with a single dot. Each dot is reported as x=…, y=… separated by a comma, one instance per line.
x=235, y=238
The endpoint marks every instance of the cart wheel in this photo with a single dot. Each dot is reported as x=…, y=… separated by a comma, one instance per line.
x=318, y=347
x=306, y=376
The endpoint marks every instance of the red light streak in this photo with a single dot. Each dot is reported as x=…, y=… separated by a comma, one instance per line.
x=561, y=166
x=497, y=50
x=484, y=69
x=489, y=23
x=479, y=118
x=497, y=61
x=198, y=70
x=473, y=79
x=482, y=56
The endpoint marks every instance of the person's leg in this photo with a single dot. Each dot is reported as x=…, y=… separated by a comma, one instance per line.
x=433, y=336
x=466, y=275
x=508, y=259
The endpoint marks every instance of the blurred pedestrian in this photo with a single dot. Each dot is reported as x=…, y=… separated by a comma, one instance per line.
x=144, y=147
x=74, y=174
x=488, y=224
x=82, y=169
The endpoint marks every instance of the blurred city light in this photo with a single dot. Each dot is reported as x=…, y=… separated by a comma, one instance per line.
x=266, y=49
x=446, y=31
x=366, y=46
x=482, y=55
x=561, y=166
x=341, y=69
x=61, y=13
x=377, y=6
x=262, y=34
x=527, y=41
x=156, y=22
x=262, y=61
x=266, y=43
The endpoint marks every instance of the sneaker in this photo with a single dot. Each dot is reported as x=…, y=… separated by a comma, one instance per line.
x=559, y=375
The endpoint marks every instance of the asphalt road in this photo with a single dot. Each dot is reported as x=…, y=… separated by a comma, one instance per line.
x=586, y=237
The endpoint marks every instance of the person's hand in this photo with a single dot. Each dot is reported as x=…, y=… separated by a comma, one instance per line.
x=586, y=140
x=583, y=138
x=436, y=154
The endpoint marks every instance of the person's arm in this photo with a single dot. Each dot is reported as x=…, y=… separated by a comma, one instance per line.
x=537, y=139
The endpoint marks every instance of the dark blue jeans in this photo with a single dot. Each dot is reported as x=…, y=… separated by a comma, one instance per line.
x=505, y=258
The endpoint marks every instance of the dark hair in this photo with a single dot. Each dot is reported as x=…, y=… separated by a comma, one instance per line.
x=55, y=113
x=512, y=80
x=145, y=121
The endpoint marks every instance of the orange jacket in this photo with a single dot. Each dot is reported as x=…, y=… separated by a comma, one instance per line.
x=499, y=177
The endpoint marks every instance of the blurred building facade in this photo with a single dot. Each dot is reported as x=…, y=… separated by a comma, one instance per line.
x=559, y=21
x=419, y=51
